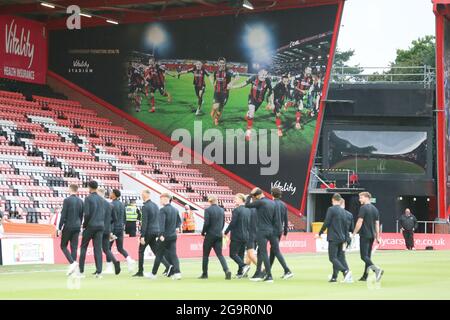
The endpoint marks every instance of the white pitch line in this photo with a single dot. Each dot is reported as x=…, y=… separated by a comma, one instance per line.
x=31, y=271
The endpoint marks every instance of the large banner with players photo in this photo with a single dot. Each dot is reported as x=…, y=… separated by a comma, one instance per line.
x=23, y=49
x=241, y=90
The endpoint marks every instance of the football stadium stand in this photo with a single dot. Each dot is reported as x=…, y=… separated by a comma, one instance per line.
x=48, y=142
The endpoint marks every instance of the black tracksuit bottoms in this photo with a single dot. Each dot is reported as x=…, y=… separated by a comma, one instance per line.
x=154, y=246
x=215, y=243
x=70, y=236
x=336, y=254
x=167, y=249
x=365, y=250
x=106, y=246
x=119, y=244
x=409, y=239
x=236, y=249
x=275, y=252
x=96, y=236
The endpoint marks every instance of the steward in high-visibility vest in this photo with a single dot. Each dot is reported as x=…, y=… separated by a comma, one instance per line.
x=132, y=214
x=188, y=220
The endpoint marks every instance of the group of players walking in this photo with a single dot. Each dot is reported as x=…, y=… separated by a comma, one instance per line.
x=340, y=233
x=255, y=222
x=296, y=91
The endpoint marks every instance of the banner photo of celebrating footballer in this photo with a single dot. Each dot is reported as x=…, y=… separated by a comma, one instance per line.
x=241, y=90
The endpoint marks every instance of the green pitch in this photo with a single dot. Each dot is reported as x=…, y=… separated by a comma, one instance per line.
x=180, y=113
x=380, y=166
x=408, y=275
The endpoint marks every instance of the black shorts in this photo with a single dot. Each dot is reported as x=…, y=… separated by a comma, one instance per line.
x=160, y=88
x=252, y=101
x=221, y=98
x=251, y=243
x=198, y=89
x=277, y=105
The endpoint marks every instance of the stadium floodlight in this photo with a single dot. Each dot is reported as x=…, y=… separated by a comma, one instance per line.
x=258, y=43
x=257, y=37
x=156, y=35
x=85, y=15
x=112, y=21
x=247, y=4
x=48, y=5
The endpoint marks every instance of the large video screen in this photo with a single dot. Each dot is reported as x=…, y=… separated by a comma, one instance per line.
x=241, y=90
x=378, y=152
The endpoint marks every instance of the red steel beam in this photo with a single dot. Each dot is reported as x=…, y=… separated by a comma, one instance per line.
x=326, y=83
x=441, y=128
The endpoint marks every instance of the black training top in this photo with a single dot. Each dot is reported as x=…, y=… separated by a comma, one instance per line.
x=169, y=221
x=266, y=213
x=94, y=212
x=119, y=212
x=150, y=221
x=281, y=218
x=239, y=225
x=110, y=218
x=214, y=221
x=408, y=222
x=370, y=215
x=71, y=213
x=336, y=222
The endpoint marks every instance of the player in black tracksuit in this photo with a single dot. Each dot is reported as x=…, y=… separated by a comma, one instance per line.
x=93, y=225
x=110, y=220
x=170, y=221
x=261, y=88
x=337, y=226
x=150, y=231
x=118, y=209
x=281, y=227
x=239, y=228
x=70, y=225
x=368, y=227
x=265, y=231
x=213, y=233
x=199, y=73
x=280, y=93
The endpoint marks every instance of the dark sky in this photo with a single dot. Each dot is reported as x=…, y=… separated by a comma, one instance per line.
x=207, y=38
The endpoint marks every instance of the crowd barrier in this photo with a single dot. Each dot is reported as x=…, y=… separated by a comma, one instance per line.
x=46, y=250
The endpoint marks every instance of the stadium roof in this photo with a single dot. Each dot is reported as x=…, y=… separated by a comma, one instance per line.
x=442, y=7
x=313, y=50
x=132, y=11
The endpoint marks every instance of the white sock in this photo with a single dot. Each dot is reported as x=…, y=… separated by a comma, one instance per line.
x=129, y=259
